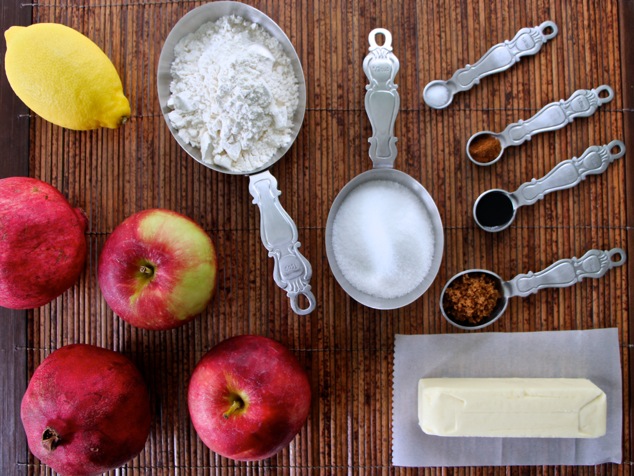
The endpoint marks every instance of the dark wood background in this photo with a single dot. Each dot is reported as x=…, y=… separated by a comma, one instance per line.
x=346, y=348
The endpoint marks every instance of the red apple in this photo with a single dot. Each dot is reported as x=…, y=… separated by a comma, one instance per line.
x=158, y=269
x=248, y=397
x=86, y=410
x=42, y=243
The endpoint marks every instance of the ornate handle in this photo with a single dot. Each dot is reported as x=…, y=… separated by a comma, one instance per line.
x=553, y=116
x=502, y=56
x=566, y=272
x=292, y=271
x=381, y=99
x=567, y=174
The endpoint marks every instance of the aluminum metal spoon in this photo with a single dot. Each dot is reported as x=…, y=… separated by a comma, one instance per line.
x=561, y=274
x=495, y=209
x=553, y=116
x=438, y=94
x=382, y=103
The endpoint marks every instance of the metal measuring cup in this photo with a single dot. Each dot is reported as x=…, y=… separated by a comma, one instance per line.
x=495, y=209
x=438, y=94
x=292, y=271
x=561, y=274
x=553, y=116
x=382, y=104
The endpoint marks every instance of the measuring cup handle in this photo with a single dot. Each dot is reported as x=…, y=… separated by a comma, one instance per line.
x=382, y=100
x=527, y=41
x=567, y=174
x=566, y=272
x=553, y=116
x=292, y=272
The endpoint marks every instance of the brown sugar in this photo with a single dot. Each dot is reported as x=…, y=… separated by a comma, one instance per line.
x=471, y=298
x=485, y=148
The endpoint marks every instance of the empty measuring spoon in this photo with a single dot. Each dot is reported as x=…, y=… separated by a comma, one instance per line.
x=495, y=210
x=561, y=274
x=438, y=94
x=382, y=104
x=486, y=147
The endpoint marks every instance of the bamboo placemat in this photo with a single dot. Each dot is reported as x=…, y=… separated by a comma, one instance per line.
x=346, y=348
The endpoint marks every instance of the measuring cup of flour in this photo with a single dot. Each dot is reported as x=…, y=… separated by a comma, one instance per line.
x=384, y=235
x=232, y=91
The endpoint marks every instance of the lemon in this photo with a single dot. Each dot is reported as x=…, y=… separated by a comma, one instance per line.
x=64, y=77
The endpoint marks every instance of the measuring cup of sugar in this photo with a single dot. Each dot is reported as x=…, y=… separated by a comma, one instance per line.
x=292, y=271
x=495, y=209
x=561, y=274
x=384, y=235
x=486, y=147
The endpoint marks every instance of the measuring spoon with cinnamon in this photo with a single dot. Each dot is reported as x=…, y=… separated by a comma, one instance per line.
x=476, y=298
x=486, y=147
x=495, y=209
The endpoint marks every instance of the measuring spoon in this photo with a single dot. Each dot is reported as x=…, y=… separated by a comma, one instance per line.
x=561, y=274
x=438, y=94
x=486, y=147
x=495, y=209
x=381, y=104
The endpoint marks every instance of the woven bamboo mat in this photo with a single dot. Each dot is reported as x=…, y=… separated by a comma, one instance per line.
x=346, y=347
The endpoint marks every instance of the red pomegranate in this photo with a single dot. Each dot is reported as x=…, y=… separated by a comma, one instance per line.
x=86, y=410
x=42, y=243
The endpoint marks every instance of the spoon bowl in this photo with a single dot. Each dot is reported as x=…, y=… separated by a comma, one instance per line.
x=485, y=148
x=493, y=316
x=494, y=210
x=437, y=94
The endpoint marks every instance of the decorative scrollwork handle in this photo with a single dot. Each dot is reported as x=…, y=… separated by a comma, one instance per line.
x=278, y=231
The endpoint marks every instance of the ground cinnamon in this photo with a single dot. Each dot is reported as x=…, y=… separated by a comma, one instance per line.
x=471, y=298
x=485, y=148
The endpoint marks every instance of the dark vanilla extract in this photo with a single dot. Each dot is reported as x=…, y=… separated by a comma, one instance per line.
x=494, y=208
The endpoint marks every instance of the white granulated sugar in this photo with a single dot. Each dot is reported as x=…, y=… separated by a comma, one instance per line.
x=382, y=239
x=437, y=95
x=233, y=93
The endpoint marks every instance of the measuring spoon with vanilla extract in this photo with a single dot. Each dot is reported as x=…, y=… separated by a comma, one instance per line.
x=561, y=274
x=495, y=209
x=486, y=147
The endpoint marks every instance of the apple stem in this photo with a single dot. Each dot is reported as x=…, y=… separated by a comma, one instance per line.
x=235, y=405
x=50, y=439
x=146, y=270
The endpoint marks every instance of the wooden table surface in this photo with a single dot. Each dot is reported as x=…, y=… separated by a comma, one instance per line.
x=346, y=347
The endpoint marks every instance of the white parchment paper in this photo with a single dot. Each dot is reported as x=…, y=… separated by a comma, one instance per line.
x=592, y=354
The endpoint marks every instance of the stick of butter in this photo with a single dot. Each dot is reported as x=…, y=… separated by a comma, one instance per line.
x=512, y=407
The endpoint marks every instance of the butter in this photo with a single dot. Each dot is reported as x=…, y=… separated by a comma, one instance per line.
x=512, y=407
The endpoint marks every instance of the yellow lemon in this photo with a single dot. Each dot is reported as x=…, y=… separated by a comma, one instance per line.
x=64, y=77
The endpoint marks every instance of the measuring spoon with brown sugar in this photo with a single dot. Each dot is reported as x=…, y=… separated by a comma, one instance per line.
x=476, y=298
x=486, y=147
x=495, y=209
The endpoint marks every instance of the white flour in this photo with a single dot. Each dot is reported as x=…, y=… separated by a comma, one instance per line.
x=233, y=93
